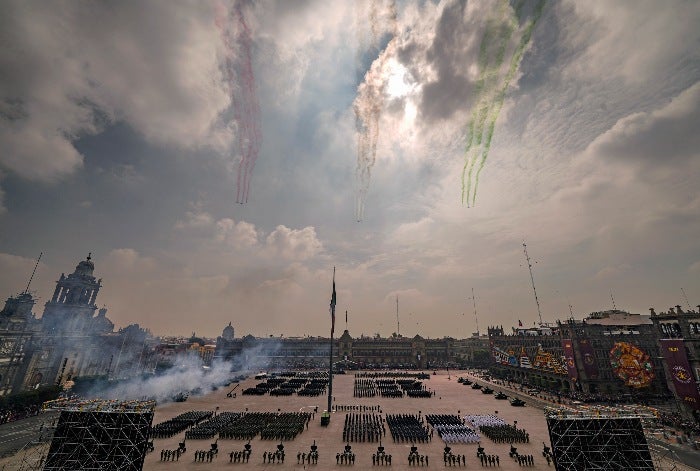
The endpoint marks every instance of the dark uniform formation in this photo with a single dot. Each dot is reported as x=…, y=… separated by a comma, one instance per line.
x=308, y=458
x=357, y=408
x=170, y=455
x=276, y=456
x=390, y=385
x=346, y=457
x=239, y=456
x=270, y=426
x=208, y=429
x=204, y=456
x=407, y=428
x=363, y=428
x=505, y=433
x=416, y=459
x=288, y=383
x=450, y=459
x=381, y=458
x=487, y=460
x=177, y=424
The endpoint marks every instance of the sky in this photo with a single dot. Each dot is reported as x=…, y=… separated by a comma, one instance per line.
x=124, y=127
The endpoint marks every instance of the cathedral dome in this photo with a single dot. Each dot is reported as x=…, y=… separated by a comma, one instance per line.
x=227, y=334
x=85, y=267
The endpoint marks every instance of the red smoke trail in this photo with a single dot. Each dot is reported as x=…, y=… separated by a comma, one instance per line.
x=238, y=42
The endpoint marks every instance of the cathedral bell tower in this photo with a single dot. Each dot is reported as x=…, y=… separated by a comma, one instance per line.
x=73, y=302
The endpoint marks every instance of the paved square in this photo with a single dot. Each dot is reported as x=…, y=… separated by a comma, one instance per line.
x=450, y=397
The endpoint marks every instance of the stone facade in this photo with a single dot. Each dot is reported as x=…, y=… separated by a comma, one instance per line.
x=69, y=340
x=362, y=352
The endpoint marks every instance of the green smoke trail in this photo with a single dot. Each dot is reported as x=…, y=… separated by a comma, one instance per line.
x=498, y=102
x=483, y=105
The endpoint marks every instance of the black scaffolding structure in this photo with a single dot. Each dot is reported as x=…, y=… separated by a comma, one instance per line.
x=594, y=440
x=104, y=435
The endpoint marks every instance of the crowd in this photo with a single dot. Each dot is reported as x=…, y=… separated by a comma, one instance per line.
x=450, y=459
x=17, y=413
x=381, y=459
x=204, y=456
x=407, y=428
x=452, y=429
x=525, y=460
x=505, y=433
x=276, y=456
x=270, y=426
x=363, y=428
x=489, y=460
x=177, y=424
x=238, y=457
x=357, y=408
x=209, y=428
x=416, y=459
x=170, y=455
x=346, y=457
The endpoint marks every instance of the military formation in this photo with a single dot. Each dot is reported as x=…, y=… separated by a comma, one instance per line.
x=363, y=428
x=408, y=428
x=452, y=429
x=362, y=423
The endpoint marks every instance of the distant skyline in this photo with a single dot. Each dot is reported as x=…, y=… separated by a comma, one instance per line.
x=121, y=126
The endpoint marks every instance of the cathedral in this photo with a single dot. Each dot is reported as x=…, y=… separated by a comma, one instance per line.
x=72, y=338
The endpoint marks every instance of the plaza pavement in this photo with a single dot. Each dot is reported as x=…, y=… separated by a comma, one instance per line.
x=451, y=398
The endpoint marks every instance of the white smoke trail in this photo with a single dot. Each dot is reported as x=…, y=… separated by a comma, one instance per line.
x=368, y=106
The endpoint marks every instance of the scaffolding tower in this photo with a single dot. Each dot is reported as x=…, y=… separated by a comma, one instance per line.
x=598, y=439
x=99, y=435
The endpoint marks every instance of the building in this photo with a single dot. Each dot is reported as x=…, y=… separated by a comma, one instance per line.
x=364, y=352
x=609, y=354
x=679, y=342
x=17, y=329
x=72, y=338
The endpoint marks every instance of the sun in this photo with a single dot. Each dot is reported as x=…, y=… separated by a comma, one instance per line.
x=399, y=82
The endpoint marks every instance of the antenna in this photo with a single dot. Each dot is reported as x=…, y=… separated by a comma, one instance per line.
x=475, y=316
x=686, y=299
x=26, y=290
x=613, y=301
x=532, y=278
x=398, y=325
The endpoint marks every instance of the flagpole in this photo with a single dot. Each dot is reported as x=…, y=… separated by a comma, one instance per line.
x=330, y=362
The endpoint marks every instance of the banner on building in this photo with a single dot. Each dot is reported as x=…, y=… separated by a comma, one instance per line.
x=674, y=353
x=548, y=361
x=568, y=346
x=632, y=365
x=589, y=365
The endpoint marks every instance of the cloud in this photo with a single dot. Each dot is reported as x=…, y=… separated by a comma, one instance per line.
x=293, y=244
x=3, y=209
x=70, y=70
x=639, y=44
x=660, y=137
x=236, y=234
x=195, y=220
x=15, y=271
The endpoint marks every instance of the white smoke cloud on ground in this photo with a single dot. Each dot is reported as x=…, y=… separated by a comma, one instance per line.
x=187, y=375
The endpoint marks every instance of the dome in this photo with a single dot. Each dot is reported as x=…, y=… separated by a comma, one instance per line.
x=227, y=334
x=85, y=267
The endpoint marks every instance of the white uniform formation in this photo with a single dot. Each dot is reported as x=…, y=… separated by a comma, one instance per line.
x=480, y=420
x=457, y=434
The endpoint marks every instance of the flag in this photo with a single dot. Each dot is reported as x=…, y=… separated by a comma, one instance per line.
x=520, y=323
x=333, y=299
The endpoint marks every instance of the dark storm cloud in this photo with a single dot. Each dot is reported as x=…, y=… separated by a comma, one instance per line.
x=453, y=44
